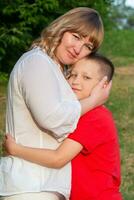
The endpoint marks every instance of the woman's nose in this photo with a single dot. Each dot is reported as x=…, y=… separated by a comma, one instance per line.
x=78, y=47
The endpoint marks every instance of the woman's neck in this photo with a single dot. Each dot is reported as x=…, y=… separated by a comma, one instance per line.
x=59, y=64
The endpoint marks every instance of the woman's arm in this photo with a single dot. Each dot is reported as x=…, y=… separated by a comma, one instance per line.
x=98, y=96
x=44, y=92
x=45, y=157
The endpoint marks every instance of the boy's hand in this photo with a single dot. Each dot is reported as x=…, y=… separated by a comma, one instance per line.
x=9, y=145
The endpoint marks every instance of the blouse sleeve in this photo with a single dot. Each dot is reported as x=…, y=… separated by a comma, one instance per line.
x=41, y=89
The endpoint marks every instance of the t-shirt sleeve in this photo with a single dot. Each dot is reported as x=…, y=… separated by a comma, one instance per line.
x=91, y=132
x=41, y=90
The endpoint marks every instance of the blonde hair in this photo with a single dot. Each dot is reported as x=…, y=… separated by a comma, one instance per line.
x=82, y=20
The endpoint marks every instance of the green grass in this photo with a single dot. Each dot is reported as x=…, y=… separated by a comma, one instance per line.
x=119, y=47
x=122, y=105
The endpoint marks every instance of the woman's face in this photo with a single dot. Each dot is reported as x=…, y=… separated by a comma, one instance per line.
x=72, y=48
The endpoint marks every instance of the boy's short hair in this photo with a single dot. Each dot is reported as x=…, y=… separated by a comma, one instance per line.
x=106, y=66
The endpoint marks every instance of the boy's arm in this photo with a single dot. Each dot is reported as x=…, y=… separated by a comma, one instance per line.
x=45, y=157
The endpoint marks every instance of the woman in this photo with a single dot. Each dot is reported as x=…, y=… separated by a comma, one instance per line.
x=40, y=102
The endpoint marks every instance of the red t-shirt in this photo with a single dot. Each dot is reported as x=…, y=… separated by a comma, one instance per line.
x=96, y=169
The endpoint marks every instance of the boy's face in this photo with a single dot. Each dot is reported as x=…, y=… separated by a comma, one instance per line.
x=84, y=76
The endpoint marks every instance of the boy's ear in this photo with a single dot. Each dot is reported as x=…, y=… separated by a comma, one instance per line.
x=105, y=84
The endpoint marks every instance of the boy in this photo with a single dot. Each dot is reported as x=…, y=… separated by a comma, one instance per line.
x=93, y=147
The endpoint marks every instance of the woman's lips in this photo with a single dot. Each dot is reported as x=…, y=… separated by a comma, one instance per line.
x=72, y=55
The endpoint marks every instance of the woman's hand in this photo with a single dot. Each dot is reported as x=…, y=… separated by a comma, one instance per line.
x=101, y=92
x=9, y=145
x=99, y=96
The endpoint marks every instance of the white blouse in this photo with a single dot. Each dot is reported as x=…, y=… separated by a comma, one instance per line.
x=39, y=99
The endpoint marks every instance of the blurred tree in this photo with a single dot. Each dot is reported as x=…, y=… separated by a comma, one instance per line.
x=131, y=20
x=122, y=15
x=22, y=21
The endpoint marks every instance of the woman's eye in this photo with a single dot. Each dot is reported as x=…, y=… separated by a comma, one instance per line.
x=76, y=36
x=89, y=47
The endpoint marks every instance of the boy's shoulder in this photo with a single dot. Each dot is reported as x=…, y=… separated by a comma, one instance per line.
x=100, y=115
x=98, y=112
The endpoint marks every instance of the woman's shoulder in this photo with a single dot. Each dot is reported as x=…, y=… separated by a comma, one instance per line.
x=36, y=56
x=35, y=52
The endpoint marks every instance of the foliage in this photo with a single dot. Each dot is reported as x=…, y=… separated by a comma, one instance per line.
x=23, y=20
x=20, y=22
x=131, y=19
x=3, y=77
